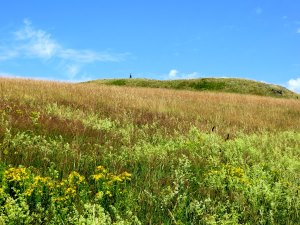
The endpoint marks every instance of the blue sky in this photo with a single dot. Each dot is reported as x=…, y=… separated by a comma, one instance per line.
x=157, y=39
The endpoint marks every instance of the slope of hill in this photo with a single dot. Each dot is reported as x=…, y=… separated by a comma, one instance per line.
x=101, y=154
x=229, y=85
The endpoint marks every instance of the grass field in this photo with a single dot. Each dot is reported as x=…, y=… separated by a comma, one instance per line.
x=104, y=154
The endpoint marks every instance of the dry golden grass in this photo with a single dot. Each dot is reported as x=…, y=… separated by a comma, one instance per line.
x=173, y=109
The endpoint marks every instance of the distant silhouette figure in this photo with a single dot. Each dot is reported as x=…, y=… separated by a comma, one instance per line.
x=227, y=138
x=130, y=76
x=213, y=129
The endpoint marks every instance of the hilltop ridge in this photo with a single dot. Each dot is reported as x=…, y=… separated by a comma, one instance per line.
x=228, y=85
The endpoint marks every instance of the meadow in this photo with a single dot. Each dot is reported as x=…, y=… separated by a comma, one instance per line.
x=97, y=154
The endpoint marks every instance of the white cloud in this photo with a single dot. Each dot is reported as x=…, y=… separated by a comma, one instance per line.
x=258, y=10
x=40, y=44
x=294, y=85
x=36, y=43
x=173, y=73
x=29, y=42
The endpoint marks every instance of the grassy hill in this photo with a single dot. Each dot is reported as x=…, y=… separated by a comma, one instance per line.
x=103, y=154
x=229, y=85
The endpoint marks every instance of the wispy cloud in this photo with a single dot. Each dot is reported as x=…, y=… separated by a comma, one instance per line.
x=298, y=30
x=294, y=84
x=35, y=43
x=30, y=42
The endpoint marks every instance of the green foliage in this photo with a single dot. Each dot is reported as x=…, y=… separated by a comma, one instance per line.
x=229, y=85
x=118, y=82
x=206, y=85
x=90, y=120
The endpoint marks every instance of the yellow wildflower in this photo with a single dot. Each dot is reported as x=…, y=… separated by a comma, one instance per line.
x=16, y=174
x=116, y=178
x=125, y=176
x=101, y=169
x=98, y=176
x=99, y=195
x=40, y=179
x=70, y=191
x=237, y=171
x=29, y=191
x=75, y=178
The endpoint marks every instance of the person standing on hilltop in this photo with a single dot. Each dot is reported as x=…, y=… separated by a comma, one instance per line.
x=130, y=76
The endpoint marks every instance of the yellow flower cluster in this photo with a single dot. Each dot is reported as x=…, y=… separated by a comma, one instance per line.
x=109, y=183
x=39, y=188
x=119, y=178
x=101, y=169
x=231, y=172
x=235, y=171
x=75, y=178
x=98, y=176
x=38, y=184
x=16, y=174
x=109, y=177
x=70, y=191
x=125, y=176
x=68, y=188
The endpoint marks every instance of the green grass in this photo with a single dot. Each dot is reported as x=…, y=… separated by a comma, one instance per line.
x=229, y=85
x=97, y=154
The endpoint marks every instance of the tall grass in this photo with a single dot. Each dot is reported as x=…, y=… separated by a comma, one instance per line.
x=182, y=172
x=230, y=113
